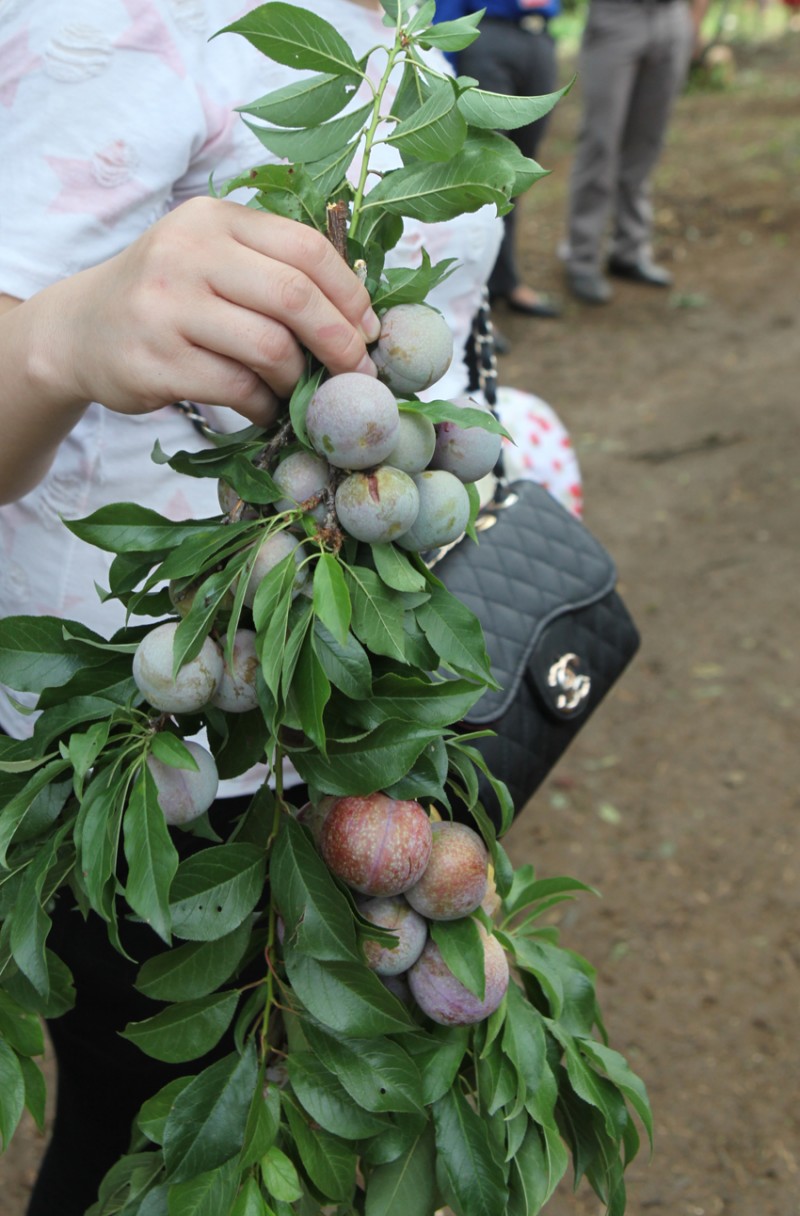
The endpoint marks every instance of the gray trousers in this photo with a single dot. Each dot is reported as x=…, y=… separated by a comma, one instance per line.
x=633, y=62
x=506, y=59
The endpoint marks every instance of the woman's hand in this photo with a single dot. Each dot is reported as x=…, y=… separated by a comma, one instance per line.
x=211, y=304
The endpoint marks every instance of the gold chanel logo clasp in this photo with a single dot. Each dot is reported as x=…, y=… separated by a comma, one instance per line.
x=573, y=687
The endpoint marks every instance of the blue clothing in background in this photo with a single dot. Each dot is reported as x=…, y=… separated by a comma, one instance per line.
x=498, y=10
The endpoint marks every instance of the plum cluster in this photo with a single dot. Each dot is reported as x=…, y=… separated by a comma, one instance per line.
x=411, y=871
x=400, y=477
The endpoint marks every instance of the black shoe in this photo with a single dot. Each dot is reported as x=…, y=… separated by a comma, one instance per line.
x=643, y=271
x=542, y=305
x=589, y=286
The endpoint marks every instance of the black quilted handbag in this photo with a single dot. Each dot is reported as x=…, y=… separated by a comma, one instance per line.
x=557, y=632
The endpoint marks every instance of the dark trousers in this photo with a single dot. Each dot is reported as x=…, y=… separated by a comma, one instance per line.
x=507, y=59
x=102, y=1078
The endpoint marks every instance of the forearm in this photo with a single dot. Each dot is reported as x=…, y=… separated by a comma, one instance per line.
x=37, y=407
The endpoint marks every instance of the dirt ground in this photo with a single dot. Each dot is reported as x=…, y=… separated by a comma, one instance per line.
x=680, y=800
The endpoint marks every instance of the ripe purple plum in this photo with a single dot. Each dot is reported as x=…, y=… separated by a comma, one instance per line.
x=312, y=815
x=443, y=512
x=416, y=441
x=457, y=874
x=193, y=686
x=272, y=550
x=378, y=505
x=183, y=793
x=236, y=693
x=414, y=349
x=445, y=999
x=301, y=476
x=409, y=927
x=352, y=421
x=376, y=844
x=468, y=452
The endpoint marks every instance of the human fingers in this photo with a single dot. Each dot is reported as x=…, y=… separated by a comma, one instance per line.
x=213, y=379
x=248, y=338
x=289, y=298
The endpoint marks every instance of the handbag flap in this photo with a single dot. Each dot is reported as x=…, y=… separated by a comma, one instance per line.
x=534, y=562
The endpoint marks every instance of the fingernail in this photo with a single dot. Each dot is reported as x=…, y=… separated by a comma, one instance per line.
x=367, y=367
x=370, y=325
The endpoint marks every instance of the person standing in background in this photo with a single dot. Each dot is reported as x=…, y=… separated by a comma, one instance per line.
x=633, y=62
x=515, y=54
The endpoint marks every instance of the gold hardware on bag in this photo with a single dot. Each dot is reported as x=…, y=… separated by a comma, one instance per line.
x=573, y=686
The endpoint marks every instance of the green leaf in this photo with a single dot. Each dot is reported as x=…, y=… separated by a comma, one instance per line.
x=475, y=1179
x=461, y=947
x=364, y=765
x=619, y=1072
x=406, y=1185
x=347, y=666
x=36, y=805
x=526, y=890
x=331, y=597
x=154, y=1113
x=377, y=612
x=344, y=997
x=329, y=1162
x=453, y=35
x=379, y=1075
x=410, y=285
x=465, y=416
x=35, y=1091
x=297, y=38
x=455, y=633
x=435, y=131
x=250, y=1201
x=314, y=143
x=566, y=980
x=193, y=970
x=326, y=1100
x=206, y=1125
x=97, y=837
x=441, y=191
x=126, y=527
x=152, y=857
x=215, y=890
x=524, y=1044
x=280, y=1176
x=170, y=749
x=34, y=652
x=12, y=1093
x=207, y=1194
x=317, y=915
x=304, y=103
x=20, y=1029
x=438, y=1057
x=504, y=112
x=186, y=1030
x=412, y=699
x=31, y=925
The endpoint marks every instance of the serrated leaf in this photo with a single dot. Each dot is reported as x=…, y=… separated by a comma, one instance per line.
x=347, y=666
x=326, y=1100
x=407, y=1184
x=215, y=890
x=329, y=1162
x=455, y=633
x=379, y=1075
x=475, y=1179
x=304, y=103
x=435, y=131
x=461, y=947
x=317, y=916
x=377, y=612
x=152, y=857
x=193, y=970
x=280, y=1176
x=504, y=112
x=297, y=38
x=440, y=191
x=206, y=1125
x=370, y=763
x=331, y=598
x=186, y=1030
x=12, y=1093
x=344, y=997
x=314, y=143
